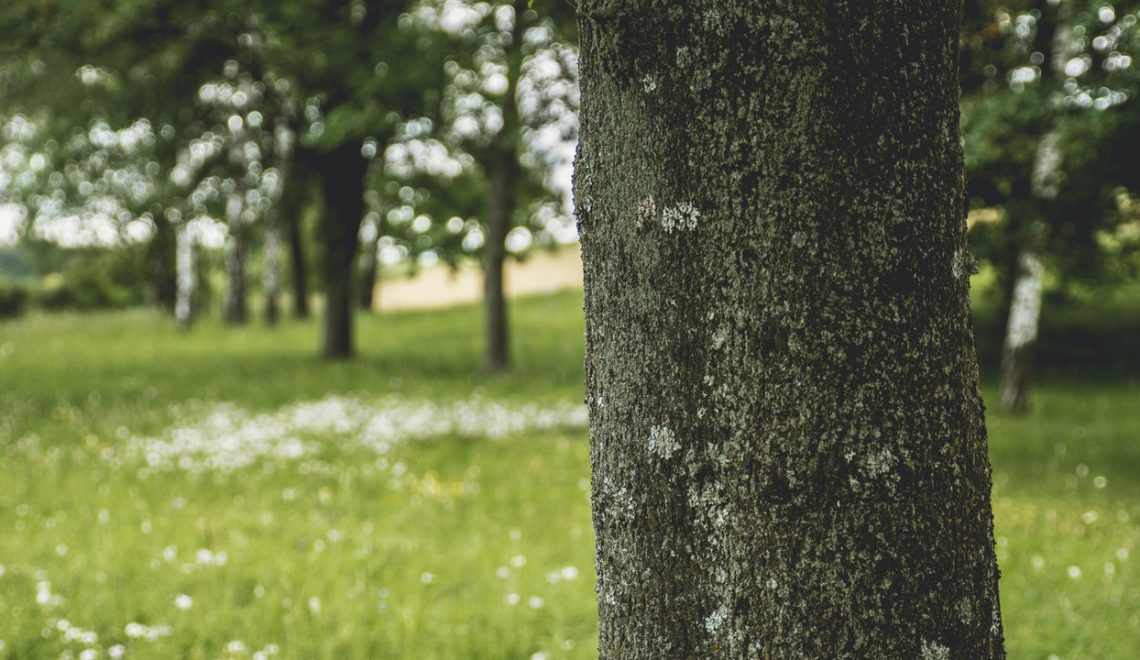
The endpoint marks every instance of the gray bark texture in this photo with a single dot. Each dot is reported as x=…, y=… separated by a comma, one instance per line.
x=787, y=436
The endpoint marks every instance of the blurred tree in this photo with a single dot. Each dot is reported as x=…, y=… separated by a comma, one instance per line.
x=358, y=70
x=787, y=438
x=1049, y=89
x=510, y=77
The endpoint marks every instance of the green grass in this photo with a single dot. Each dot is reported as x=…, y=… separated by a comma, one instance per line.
x=454, y=546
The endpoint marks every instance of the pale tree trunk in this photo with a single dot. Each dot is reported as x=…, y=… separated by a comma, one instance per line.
x=184, y=299
x=271, y=282
x=235, y=306
x=1029, y=278
x=503, y=170
x=292, y=205
x=1021, y=327
x=787, y=437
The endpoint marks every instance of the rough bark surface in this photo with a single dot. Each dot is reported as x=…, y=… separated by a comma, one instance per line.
x=787, y=437
x=341, y=173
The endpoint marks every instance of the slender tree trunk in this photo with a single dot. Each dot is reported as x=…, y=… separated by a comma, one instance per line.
x=1021, y=328
x=270, y=281
x=368, y=266
x=161, y=260
x=283, y=155
x=1029, y=285
x=236, y=306
x=341, y=173
x=184, y=302
x=503, y=169
x=1029, y=275
x=292, y=206
x=787, y=436
x=504, y=192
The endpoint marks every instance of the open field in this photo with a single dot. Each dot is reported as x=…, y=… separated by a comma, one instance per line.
x=225, y=494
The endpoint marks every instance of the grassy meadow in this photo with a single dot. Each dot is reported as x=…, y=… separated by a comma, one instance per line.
x=224, y=494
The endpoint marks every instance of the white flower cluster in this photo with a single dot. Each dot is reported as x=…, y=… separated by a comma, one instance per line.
x=226, y=437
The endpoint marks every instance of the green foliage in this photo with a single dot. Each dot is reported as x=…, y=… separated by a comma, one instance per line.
x=95, y=279
x=13, y=298
x=1062, y=69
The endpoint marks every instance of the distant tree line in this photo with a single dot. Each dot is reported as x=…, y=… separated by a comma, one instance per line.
x=323, y=134
x=430, y=129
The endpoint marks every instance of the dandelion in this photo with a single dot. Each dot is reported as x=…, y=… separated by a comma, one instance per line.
x=1074, y=572
x=536, y=602
x=427, y=578
x=502, y=572
x=540, y=655
x=183, y=602
x=116, y=652
x=88, y=654
x=518, y=561
x=1100, y=481
x=237, y=647
x=569, y=572
x=314, y=606
x=512, y=598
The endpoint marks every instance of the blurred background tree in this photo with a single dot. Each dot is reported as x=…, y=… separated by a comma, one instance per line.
x=1050, y=118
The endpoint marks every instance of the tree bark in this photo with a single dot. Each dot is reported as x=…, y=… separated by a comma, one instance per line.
x=787, y=436
x=341, y=173
x=503, y=169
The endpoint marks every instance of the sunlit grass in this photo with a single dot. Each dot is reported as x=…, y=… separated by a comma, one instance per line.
x=442, y=547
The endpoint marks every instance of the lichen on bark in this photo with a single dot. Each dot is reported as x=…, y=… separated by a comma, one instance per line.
x=769, y=198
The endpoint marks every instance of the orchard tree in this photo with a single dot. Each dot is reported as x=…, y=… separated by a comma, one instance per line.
x=1050, y=95
x=510, y=89
x=787, y=436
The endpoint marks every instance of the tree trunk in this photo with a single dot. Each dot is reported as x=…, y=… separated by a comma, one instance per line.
x=184, y=302
x=503, y=169
x=161, y=260
x=283, y=155
x=292, y=206
x=1029, y=273
x=270, y=279
x=236, y=307
x=341, y=173
x=504, y=192
x=1029, y=284
x=368, y=267
x=787, y=437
